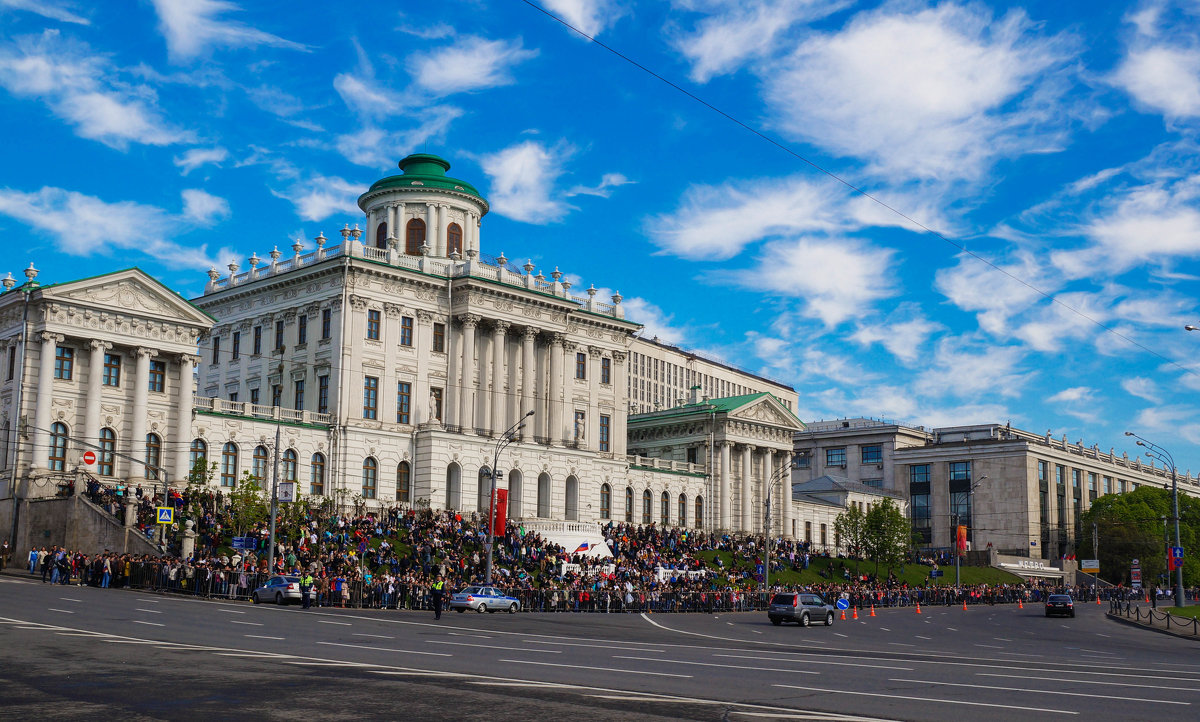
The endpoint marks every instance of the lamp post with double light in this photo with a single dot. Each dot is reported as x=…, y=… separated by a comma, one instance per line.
x=971, y=517
x=780, y=474
x=1155, y=451
x=501, y=444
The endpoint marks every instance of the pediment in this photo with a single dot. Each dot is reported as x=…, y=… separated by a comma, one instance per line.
x=130, y=293
x=767, y=410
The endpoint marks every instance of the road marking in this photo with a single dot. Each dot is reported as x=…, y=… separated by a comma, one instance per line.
x=415, y=673
x=1040, y=691
x=952, y=629
x=69, y=599
x=231, y=611
x=1001, y=639
x=340, y=624
x=132, y=641
x=712, y=664
x=989, y=646
x=329, y=664
x=152, y=624
x=846, y=636
x=823, y=661
x=758, y=632
x=926, y=699
x=552, y=685
x=920, y=637
x=152, y=611
x=252, y=624
x=1102, y=635
x=260, y=636
x=901, y=644
x=64, y=611
x=1090, y=681
x=386, y=649
x=476, y=636
x=493, y=646
x=600, y=669
x=376, y=636
x=600, y=646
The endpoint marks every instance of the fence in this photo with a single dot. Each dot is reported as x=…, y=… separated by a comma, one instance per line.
x=1128, y=610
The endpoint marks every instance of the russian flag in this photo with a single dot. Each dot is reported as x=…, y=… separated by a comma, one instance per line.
x=581, y=548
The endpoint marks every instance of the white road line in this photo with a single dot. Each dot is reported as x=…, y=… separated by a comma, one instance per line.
x=1102, y=635
x=989, y=646
x=231, y=611
x=602, y=669
x=376, y=636
x=132, y=641
x=600, y=646
x=69, y=599
x=385, y=649
x=493, y=646
x=260, y=636
x=329, y=664
x=901, y=644
x=476, y=636
x=823, y=661
x=926, y=699
x=1092, y=695
x=1001, y=639
x=713, y=664
x=885, y=629
x=340, y=624
x=920, y=637
x=844, y=636
x=415, y=673
x=758, y=632
x=543, y=685
x=152, y=624
x=64, y=611
x=152, y=611
x=1091, y=681
x=952, y=629
x=252, y=624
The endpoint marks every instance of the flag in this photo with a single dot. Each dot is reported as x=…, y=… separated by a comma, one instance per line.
x=962, y=538
x=581, y=548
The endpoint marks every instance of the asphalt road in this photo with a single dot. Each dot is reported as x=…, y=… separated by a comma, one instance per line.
x=67, y=652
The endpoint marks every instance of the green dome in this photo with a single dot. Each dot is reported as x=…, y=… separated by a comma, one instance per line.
x=424, y=170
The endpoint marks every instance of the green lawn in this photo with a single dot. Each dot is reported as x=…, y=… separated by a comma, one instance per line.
x=916, y=575
x=1191, y=612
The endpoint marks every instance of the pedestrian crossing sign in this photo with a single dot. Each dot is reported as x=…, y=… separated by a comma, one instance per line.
x=166, y=514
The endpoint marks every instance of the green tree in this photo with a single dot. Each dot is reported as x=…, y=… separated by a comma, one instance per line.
x=851, y=527
x=887, y=535
x=1130, y=526
x=248, y=506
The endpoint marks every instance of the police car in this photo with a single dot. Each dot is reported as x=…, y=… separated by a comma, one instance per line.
x=484, y=599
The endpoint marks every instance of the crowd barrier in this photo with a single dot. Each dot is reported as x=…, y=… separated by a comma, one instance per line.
x=1152, y=617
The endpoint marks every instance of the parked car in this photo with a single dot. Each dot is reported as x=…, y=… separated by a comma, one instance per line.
x=484, y=599
x=1060, y=604
x=280, y=590
x=800, y=607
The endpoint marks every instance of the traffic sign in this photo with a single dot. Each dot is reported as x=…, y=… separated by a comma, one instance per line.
x=1089, y=565
x=1177, y=553
x=244, y=543
x=89, y=457
x=287, y=491
x=166, y=514
x=1175, y=559
x=843, y=604
x=935, y=572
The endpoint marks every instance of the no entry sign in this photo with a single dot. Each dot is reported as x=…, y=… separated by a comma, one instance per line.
x=89, y=457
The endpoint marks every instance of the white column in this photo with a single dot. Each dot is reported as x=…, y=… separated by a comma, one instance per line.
x=421, y=413
x=431, y=229
x=443, y=243
x=592, y=433
x=529, y=375
x=726, y=501
x=555, y=429
x=45, y=398
x=184, y=399
x=137, y=434
x=747, y=491
x=621, y=406
x=499, y=338
x=472, y=230
x=776, y=498
x=466, y=390
x=91, y=414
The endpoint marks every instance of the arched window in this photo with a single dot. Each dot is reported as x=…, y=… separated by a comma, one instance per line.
x=414, y=237
x=197, y=453
x=605, y=501
x=153, y=455
x=316, y=485
x=683, y=510
x=543, y=504
x=454, y=239
x=403, y=482
x=699, y=512
x=572, y=498
x=370, y=477
x=258, y=465
x=229, y=464
x=629, y=504
x=664, y=509
x=381, y=235
x=108, y=449
x=58, y=447
x=290, y=463
x=646, y=507
x=483, y=495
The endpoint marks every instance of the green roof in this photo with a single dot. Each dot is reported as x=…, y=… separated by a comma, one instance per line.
x=721, y=406
x=424, y=170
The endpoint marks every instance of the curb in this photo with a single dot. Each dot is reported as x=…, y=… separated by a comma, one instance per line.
x=1160, y=630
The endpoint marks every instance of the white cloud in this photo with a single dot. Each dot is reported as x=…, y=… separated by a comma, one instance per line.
x=473, y=64
x=81, y=89
x=426, y=32
x=1177, y=420
x=607, y=181
x=83, y=225
x=587, y=16
x=322, y=197
x=1163, y=79
x=903, y=333
x=193, y=26
x=966, y=368
x=203, y=207
x=972, y=285
x=523, y=178
x=196, y=157
x=938, y=94
x=1075, y=393
x=364, y=96
x=736, y=31
x=838, y=278
x=1141, y=387
x=47, y=8
x=376, y=148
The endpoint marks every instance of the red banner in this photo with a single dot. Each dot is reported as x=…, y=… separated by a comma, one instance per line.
x=962, y=539
x=500, y=517
x=1171, y=566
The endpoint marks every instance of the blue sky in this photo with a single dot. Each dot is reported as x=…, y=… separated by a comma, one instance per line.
x=1056, y=142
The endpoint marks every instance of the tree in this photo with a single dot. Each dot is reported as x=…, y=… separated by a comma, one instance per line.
x=247, y=506
x=887, y=535
x=1130, y=526
x=850, y=527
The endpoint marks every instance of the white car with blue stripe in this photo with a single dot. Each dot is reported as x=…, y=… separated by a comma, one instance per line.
x=484, y=599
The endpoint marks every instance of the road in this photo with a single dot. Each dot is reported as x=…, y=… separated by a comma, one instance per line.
x=68, y=652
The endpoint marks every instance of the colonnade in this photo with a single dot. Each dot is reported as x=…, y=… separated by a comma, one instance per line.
x=758, y=466
x=436, y=217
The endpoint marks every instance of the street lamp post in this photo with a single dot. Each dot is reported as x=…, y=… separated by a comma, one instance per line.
x=1154, y=450
x=780, y=474
x=971, y=512
x=505, y=439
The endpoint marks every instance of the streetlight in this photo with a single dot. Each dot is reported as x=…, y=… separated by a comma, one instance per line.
x=502, y=443
x=970, y=512
x=1156, y=451
x=779, y=475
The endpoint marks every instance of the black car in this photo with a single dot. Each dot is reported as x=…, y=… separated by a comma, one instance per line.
x=1060, y=604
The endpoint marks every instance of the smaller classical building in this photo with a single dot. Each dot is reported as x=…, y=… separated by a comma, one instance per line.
x=821, y=500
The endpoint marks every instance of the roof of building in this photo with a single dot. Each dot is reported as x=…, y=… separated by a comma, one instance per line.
x=425, y=170
x=829, y=483
x=710, y=358
x=724, y=405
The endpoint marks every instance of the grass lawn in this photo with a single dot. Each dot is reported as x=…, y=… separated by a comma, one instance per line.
x=916, y=575
x=1191, y=612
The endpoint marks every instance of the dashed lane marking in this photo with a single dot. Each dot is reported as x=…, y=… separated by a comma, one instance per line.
x=600, y=646
x=69, y=599
x=251, y=624
x=493, y=646
x=152, y=624
x=1028, y=690
x=231, y=611
x=844, y=636
x=601, y=669
x=920, y=637
x=376, y=636
x=385, y=649
x=901, y=644
x=64, y=611
x=926, y=699
x=476, y=636
x=1176, y=688
x=713, y=664
x=989, y=646
x=152, y=611
x=262, y=636
x=823, y=661
x=340, y=624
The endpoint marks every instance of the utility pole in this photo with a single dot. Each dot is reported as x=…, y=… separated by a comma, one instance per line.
x=275, y=468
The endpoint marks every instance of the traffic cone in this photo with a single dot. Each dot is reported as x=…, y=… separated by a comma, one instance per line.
x=872, y=610
x=918, y=607
x=1097, y=599
x=856, y=612
x=1020, y=604
x=964, y=605
x=843, y=615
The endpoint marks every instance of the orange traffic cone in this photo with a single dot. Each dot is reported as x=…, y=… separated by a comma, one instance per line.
x=918, y=607
x=843, y=615
x=1020, y=604
x=872, y=610
x=964, y=605
x=856, y=612
x=1147, y=597
x=1097, y=599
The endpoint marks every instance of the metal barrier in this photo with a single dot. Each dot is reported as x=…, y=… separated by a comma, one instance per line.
x=1129, y=610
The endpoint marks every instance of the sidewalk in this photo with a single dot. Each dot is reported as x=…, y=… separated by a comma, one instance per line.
x=1154, y=620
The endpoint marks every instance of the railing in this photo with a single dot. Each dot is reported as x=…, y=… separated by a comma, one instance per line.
x=1128, y=610
x=648, y=462
x=258, y=411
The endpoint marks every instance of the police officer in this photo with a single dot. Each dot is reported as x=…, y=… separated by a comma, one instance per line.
x=306, y=585
x=438, y=588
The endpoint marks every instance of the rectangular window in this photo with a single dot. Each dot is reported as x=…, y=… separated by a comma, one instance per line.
x=581, y=366
x=279, y=335
x=580, y=426
x=236, y=351
x=233, y=396
x=1043, y=472
x=960, y=471
x=254, y=396
x=436, y=395
x=12, y=361
x=277, y=395
x=370, y=397
x=257, y=340
x=804, y=459
x=373, y=324
x=872, y=454
x=406, y=331
x=403, y=402
x=876, y=483
x=112, y=370
x=439, y=337
x=216, y=350
x=322, y=394
x=1076, y=478
x=299, y=395
x=326, y=322
x=835, y=457
x=824, y=535
x=302, y=329
x=1108, y=485
x=918, y=473
x=606, y=370
x=1060, y=474
x=158, y=376
x=64, y=362
x=808, y=532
